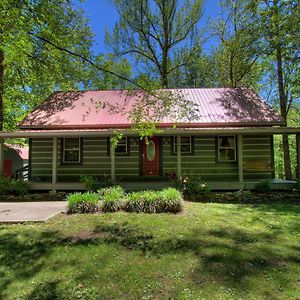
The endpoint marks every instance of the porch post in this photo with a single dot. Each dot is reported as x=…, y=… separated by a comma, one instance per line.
x=112, y=162
x=178, y=156
x=1, y=157
x=54, y=164
x=240, y=158
x=298, y=155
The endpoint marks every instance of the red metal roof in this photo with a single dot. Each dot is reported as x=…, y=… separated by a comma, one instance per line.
x=110, y=109
x=21, y=150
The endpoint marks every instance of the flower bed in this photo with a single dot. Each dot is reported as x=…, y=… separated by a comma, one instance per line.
x=114, y=199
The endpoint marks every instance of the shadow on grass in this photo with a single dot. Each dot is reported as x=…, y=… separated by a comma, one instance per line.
x=24, y=255
x=45, y=291
x=227, y=255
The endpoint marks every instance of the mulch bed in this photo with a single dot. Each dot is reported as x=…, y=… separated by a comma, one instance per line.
x=248, y=197
x=33, y=197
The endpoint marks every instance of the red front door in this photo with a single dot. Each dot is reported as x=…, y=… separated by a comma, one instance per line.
x=151, y=156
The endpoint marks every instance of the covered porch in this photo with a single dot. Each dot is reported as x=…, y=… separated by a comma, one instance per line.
x=146, y=183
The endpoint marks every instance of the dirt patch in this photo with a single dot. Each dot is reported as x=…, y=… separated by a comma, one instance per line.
x=84, y=236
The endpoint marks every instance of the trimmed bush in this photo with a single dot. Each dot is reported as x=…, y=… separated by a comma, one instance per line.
x=112, y=198
x=83, y=203
x=168, y=200
x=171, y=200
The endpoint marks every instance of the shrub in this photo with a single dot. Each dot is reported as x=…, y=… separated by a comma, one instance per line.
x=89, y=182
x=20, y=187
x=150, y=200
x=134, y=202
x=112, y=198
x=263, y=186
x=171, y=200
x=168, y=200
x=192, y=185
x=6, y=186
x=297, y=185
x=9, y=186
x=92, y=183
x=83, y=203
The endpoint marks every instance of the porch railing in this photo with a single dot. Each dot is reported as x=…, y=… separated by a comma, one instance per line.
x=22, y=173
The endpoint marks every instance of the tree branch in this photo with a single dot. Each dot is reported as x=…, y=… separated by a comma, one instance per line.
x=89, y=61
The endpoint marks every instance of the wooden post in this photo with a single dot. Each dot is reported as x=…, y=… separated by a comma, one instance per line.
x=240, y=158
x=1, y=157
x=298, y=155
x=178, y=157
x=112, y=162
x=54, y=164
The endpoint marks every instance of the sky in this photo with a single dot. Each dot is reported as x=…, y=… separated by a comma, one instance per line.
x=102, y=16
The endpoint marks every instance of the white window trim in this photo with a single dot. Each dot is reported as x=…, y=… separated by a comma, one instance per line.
x=76, y=149
x=126, y=147
x=175, y=144
x=234, y=148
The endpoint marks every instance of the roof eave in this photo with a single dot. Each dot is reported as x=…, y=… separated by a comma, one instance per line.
x=161, y=125
x=163, y=132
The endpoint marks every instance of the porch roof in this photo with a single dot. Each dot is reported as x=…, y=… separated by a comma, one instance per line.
x=162, y=132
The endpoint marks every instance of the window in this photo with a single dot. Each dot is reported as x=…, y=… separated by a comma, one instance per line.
x=186, y=144
x=71, y=150
x=123, y=147
x=226, y=148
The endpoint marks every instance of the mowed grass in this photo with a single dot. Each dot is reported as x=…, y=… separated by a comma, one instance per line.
x=210, y=251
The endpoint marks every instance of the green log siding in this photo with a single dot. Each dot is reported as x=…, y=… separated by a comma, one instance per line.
x=203, y=162
x=96, y=161
x=258, y=148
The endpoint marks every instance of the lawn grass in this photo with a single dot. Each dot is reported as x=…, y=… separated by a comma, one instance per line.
x=210, y=251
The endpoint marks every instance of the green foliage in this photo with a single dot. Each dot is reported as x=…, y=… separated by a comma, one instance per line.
x=192, y=185
x=278, y=156
x=167, y=200
x=6, y=186
x=160, y=35
x=171, y=200
x=263, y=186
x=20, y=187
x=83, y=203
x=33, y=68
x=10, y=186
x=297, y=185
x=112, y=198
x=93, y=183
x=89, y=182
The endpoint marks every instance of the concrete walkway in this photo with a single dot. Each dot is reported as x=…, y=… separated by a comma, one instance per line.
x=18, y=212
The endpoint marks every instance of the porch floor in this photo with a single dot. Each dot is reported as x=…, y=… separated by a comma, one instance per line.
x=276, y=184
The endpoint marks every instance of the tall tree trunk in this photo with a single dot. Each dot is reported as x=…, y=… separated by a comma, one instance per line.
x=166, y=45
x=283, y=112
x=1, y=87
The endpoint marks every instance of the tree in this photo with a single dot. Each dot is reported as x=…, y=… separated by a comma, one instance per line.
x=236, y=59
x=279, y=32
x=31, y=69
x=102, y=79
x=157, y=34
